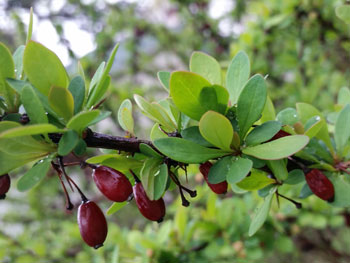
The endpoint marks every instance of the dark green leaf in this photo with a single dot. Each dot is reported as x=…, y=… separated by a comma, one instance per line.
x=262, y=133
x=305, y=192
x=149, y=170
x=186, y=151
x=214, y=98
x=251, y=103
x=160, y=181
x=149, y=151
x=193, y=134
x=80, y=149
x=33, y=106
x=295, y=176
x=239, y=169
x=77, y=88
x=68, y=142
x=219, y=170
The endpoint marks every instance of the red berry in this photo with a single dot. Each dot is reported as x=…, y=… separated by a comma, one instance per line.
x=220, y=188
x=92, y=224
x=5, y=183
x=151, y=209
x=320, y=185
x=279, y=134
x=112, y=183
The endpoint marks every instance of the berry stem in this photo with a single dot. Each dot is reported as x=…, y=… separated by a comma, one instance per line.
x=61, y=164
x=297, y=204
x=69, y=205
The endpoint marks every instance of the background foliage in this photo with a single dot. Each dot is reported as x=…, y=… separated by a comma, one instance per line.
x=301, y=45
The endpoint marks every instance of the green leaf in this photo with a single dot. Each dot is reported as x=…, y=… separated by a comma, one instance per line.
x=18, y=60
x=160, y=181
x=262, y=133
x=206, y=66
x=261, y=214
x=305, y=112
x=268, y=113
x=305, y=191
x=149, y=151
x=96, y=78
x=125, y=118
x=214, y=98
x=218, y=172
x=278, y=168
x=239, y=170
x=7, y=70
x=164, y=78
x=33, y=106
x=62, y=102
x=342, y=130
x=43, y=68
x=30, y=25
x=216, y=129
x=278, y=149
x=80, y=148
x=122, y=163
x=82, y=120
x=102, y=85
x=343, y=12
x=15, y=152
x=250, y=103
x=257, y=180
x=115, y=207
x=149, y=170
x=186, y=151
x=237, y=75
x=185, y=88
x=33, y=176
x=288, y=116
x=77, y=89
x=155, y=112
x=313, y=126
x=103, y=115
x=29, y=130
x=295, y=176
x=341, y=185
x=193, y=134
x=68, y=142
x=343, y=96
x=156, y=133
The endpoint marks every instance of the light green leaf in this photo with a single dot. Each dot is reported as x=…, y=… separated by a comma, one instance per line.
x=80, y=121
x=30, y=26
x=160, y=181
x=237, y=75
x=125, y=118
x=7, y=70
x=148, y=173
x=15, y=152
x=103, y=115
x=18, y=60
x=185, y=88
x=29, y=130
x=216, y=129
x=343, y=12
x=122, y=163
x=164, y=78
x=115, y=207
x=313, y=126
x=33, y=176
x=305, y=112
x=77, y=89
x=261, y=214
x=295, y=176
x=62, y=102
x=258, y=179
x=156, y=133
x=278, y=149
x=68, y=142
x=33, y=106
x=342, y=130
x=262, y=133
x=344, y=96
x=43, y=68
x=186, y=151
x=268, y=113
x=250, y=103
x=288, y=116
x=278, y=168
x=206, y=66
x=96, y=78
x=341, y=185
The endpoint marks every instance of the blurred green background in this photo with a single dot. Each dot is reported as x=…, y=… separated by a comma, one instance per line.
x=300, y=44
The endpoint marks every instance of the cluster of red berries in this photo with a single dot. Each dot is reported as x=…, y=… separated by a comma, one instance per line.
x=116, y=187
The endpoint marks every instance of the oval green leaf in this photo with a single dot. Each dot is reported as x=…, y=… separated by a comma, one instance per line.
x=278, y=149
x=62, y=102
x=206, y=66
x=29, y=130
x=80, y=121
x=68, y=142
x=216, y=129
x=262, y=133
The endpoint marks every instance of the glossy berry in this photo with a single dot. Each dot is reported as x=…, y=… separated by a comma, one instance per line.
x=220, y=188
x=92, y=224
x=112, y=183
x=320, y=185
x=5, y=183
x=279, y=134
x=151, y=209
